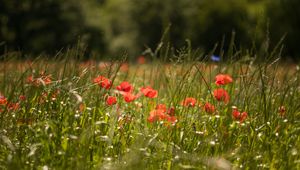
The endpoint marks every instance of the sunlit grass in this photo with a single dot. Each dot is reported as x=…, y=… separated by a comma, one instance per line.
x=66, y=123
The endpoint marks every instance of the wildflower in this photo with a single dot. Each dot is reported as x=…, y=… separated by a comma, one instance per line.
x=190, y=101
x=215, y=58
x=163, y=114
x=3, y=100
x=223, y=79
x=125, y=86
x=44, y=80
x=29, y=79
x=128, y=97
x=281, y=111
x=221, y=95
x=82, y=107
x=243, y=117
x=124, y=67
x=111, y=100
x=161, y=107
x=103, y=82
x=236, y=114
x=13, y=106
x=55, y=94
x=151, y=118
x=172, y=119
x=155, y=115
x=43, y=97
x=171, y=111
x=22, y=98
x=239, y=116
x=141, y=60
x=149, y=92
x=209, y=108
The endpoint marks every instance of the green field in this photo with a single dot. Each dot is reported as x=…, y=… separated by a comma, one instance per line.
x=61, y=114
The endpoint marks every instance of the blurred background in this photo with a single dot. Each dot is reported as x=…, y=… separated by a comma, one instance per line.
x=113, y=27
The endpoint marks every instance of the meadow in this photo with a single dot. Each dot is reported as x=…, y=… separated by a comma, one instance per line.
x=149, y=114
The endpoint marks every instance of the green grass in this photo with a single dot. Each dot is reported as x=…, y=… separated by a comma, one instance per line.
x=68, y=125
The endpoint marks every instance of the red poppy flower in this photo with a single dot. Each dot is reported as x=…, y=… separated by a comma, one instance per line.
x=239, y=116
x=82, y=107
x=111, y=100
x=172, y=119
x=151, y=118
x=171, y=111
x=3, y=100
x=141, y=60
x=128, y=97
x=162, y=114
x=22, y=98
x=281, y=110
x=46, y=79
x=103, y=82
x=124, y=67
x=149, y=92
x=125, y=86
x=209, y=108
x=13, y=106
x=54, y=94
x=221, y=95
x=190, y=101
x=161, y=107
x=236, y=114
x=29, y=79
x=243, y=117
x=156, y=115
x=223, y=79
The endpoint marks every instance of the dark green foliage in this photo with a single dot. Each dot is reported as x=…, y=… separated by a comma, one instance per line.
x=217, y=19
x=284, y=17
x=153, y=17
x=149, y=20
x=42, y=26
x=139, y=24
x=115, y=27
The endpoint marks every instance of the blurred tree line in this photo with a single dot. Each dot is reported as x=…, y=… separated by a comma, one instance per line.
x=112, y=27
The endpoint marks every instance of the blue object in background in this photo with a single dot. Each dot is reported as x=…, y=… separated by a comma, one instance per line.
x=215, y=58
